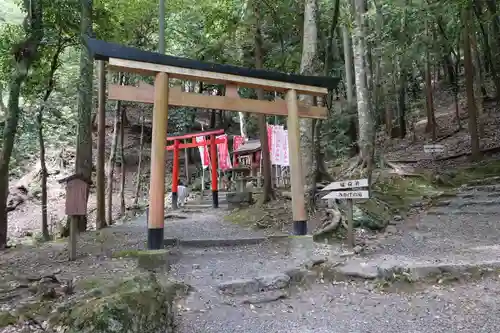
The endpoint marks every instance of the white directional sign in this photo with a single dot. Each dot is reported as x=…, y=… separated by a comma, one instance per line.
x=433, y=148
x=346, y=184
x=347, y=195
x=349, y=189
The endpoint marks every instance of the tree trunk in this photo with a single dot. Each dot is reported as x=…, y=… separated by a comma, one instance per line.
x=308, y=66
x=41, y=142
x=243, y=125
x=267, y=189
x=213, y=118
x=3, y=107
x=431, y=119
x=429, y=105
x=110, y=168
x=122, y=164
x=348, y=60
x=321, y=170
x=495, y=21
x=478, y=83
x=457, y=87
x=402, y=103
x=139, y=164
x=348, y=67
x=469, y=84
x=83, y=164
x=43, y=172
x=365, y=119
x=101, y=147
x=24, y=58
x=489, y=64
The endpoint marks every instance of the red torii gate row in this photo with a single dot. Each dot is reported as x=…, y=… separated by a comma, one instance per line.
x=213, y=160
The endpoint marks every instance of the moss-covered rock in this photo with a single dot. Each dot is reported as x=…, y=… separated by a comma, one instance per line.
x=7, y=319
x=138, y=305
x=151, y=260
x=155, y=260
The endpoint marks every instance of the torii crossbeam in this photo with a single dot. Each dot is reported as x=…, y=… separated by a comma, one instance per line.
x=164, y=67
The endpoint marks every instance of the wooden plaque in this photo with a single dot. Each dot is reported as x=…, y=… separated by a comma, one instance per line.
x=76, y=197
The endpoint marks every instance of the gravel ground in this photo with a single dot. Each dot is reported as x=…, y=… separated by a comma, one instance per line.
x=208, y=224
x=352, y=308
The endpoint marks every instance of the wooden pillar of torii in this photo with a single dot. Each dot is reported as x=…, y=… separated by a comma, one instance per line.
x=163, y=67
x=156, y=216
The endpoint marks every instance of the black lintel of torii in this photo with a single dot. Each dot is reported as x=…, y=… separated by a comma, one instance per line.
x=101, y=50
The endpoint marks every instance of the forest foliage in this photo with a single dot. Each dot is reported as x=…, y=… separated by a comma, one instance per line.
x=400, y=50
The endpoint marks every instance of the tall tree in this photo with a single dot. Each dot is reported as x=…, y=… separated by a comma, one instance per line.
x=24, y=53
x=122, y=163
x=110, y=168
x=469, y=81
x=83, y=164
x=309, y=64
x=54, y=64
x=101, y=147
x=261, y=119
x=139, y=163
x=429, y=106
x=361, y=68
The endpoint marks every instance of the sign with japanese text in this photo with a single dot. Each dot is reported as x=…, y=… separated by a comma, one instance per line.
x=223, y=153
x=346, y=184
x=205, y=158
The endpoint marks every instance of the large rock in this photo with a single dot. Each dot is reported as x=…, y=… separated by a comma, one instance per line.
x=156, y=260
x=138, y=305
x=238, y=199
x=365, y=219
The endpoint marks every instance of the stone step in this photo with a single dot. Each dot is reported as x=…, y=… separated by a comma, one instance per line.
x=480, y=188
x=209, y=201
x=486, y=181
x=215, y=242
x=474, y=210
x=478, y=194
x=196, y=206
x=476, y=202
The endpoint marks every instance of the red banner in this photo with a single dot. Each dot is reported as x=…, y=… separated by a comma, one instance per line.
x=223, y=153
x=270, y=136
x=205, y=158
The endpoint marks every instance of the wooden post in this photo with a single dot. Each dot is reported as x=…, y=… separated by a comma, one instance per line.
x=77, y=190
x=157, y=179
x=298, y=201
x=101, y=137
x=213, y=166
x=350, y=224
x=175, y=174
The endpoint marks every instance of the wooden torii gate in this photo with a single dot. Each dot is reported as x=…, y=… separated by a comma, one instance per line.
x=163, y=67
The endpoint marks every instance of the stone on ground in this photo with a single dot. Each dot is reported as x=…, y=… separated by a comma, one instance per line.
x=138, y=305
x=154, y=260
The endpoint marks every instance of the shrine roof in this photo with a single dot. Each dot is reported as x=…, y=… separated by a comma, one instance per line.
x=248, y=147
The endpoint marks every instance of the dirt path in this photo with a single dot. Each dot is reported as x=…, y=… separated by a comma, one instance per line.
x=251, y=288
x=459, y=231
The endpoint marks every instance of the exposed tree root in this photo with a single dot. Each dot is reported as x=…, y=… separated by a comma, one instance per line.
x=357, y=167
x=330, y=225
